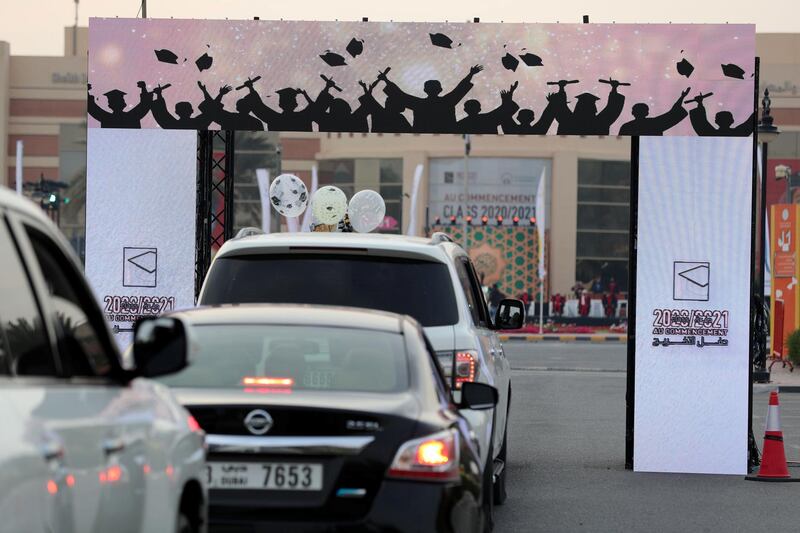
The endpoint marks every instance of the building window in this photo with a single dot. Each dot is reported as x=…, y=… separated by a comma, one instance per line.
x=254, y=150
x=603, y=223
x=382, y=175
x=72, y=173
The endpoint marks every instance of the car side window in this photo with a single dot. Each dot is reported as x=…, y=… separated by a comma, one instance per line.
x=24, y=346
x=483, y=311
x=469, y=294
x=80, y=346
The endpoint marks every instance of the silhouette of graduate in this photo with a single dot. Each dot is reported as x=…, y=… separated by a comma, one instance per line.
x=724, y=121
x=643, y=124
x=434, y=113
x=585, y=119
x=118, y=117
x=388, y=118
x=524, y=125
x=487, y=123
x=241, y=120
x=335, y=114
x=184, y=112
x=288, y=119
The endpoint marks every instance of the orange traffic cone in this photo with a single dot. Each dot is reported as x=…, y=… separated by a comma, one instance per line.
x=773, y=457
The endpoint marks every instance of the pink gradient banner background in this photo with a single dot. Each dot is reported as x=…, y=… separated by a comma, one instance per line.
x=286, y=54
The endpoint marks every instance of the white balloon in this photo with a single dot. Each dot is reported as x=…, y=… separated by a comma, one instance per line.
x=366, y=211
x=329, y=205
x=288, y=195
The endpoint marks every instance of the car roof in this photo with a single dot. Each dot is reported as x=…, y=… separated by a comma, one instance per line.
x=294, y=315
x=11, y=200
x=439, y=247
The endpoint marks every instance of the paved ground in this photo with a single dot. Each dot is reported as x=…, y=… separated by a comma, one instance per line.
x=567, y=451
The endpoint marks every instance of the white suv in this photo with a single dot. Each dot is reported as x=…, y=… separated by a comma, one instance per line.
x=432, y=280
x=86, y=446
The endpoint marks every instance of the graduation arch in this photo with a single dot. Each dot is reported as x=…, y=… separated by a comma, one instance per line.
x=684, y=93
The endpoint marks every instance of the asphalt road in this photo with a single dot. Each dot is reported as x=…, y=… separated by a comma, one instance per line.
x=566, y=457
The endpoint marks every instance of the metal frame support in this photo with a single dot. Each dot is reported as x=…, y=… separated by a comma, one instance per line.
x=630, y=391
x=215, y=212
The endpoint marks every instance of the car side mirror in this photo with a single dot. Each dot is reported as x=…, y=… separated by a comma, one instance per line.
x=510, y=314
x=160, y=346
x=477, y=396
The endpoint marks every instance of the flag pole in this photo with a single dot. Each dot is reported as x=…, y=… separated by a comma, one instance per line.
x=541, y=304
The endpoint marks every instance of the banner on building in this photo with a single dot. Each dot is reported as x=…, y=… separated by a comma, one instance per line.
x=404, y=77
x=693, y=305
x=498, y=186
x=140, y=223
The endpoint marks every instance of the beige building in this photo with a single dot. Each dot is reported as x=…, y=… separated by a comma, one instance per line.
x=43, y=103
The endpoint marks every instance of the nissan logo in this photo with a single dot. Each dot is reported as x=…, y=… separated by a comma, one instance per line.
x=258, y=422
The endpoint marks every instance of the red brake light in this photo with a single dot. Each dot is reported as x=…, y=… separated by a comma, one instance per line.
x=114, y=473
x=432, y=453
x=465, y=369
x=251, y=381
x=194, y=425
x=434, y=457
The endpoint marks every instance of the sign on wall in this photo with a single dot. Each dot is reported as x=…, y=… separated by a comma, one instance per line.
x=140, y=223
x=693, y=305
x=572, y=79
x=784, y=240
x=498, y=186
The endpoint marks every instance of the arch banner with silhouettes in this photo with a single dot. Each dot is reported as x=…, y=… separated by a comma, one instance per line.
x=685, y=93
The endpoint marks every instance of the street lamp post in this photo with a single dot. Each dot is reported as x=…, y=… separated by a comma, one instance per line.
x=767, y=132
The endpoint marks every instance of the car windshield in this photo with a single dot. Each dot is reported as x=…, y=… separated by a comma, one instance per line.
x=289, y=358
x=421, y=289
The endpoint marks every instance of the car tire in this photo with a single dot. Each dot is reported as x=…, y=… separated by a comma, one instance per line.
x=488, y=495
x=499, y=492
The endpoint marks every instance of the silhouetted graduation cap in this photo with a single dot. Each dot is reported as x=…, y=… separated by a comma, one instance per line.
x=355, y=47
x=204, y=62
x=532, y=60
x=115, y=94
x=733, y=71
x=332, y=59
x=287, y=91
x=166, y=56
x=441, y=40
x=510, y=62
x=587, y=96
x=685, y=68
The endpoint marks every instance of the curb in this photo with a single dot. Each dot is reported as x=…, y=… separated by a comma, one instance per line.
x=564, y=338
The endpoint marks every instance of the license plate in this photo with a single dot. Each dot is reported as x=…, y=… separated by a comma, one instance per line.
x=265, y=476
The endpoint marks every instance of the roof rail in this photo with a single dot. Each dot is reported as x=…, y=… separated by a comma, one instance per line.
x=440, y=237
x=249, y=232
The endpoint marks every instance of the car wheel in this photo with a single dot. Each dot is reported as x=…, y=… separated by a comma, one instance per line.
x=488, y=495
x=499, y=493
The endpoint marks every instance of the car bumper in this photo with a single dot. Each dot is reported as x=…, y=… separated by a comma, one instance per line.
x=398, y=506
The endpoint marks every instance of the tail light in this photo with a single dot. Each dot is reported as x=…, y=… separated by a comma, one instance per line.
x=264, y=381
x=435, y=457
x=466, y=368
x=194, y=425
x=459, y=367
